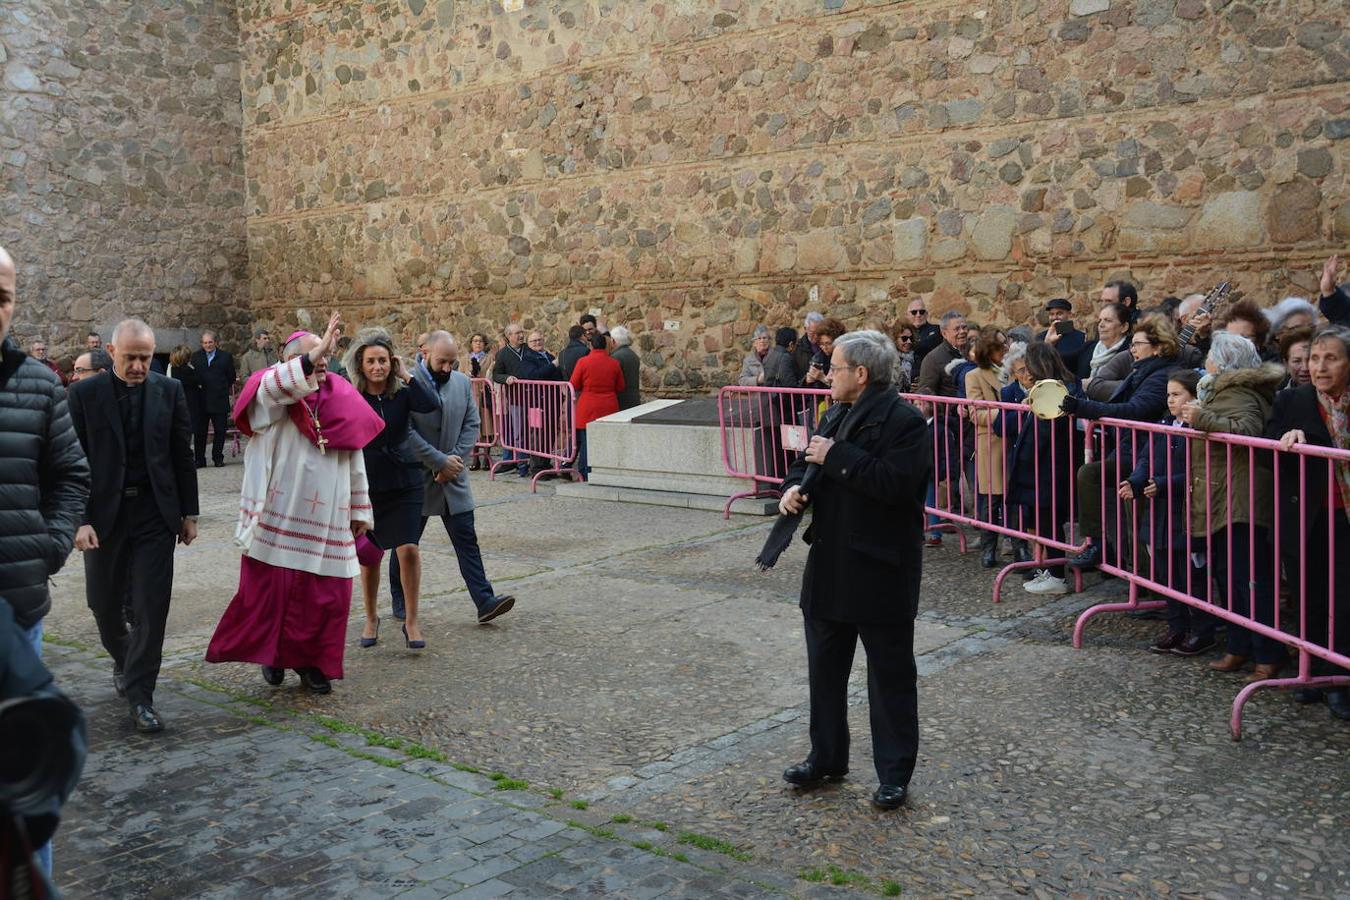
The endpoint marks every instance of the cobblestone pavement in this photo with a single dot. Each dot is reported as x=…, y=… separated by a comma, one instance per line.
x=622, y=732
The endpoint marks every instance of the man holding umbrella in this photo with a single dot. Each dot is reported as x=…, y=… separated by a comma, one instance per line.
x=865, y=473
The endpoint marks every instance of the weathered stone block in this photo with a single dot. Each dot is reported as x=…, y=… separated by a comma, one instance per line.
x=910, y=238
x=993, y=233
x=1294, y=212
x=1229, y=220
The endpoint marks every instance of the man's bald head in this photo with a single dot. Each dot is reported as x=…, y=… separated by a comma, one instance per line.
x=442, y=353
x=132, y=349
x=7, y=292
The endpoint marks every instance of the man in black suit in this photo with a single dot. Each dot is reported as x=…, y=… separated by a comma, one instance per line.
x=135, y=430
x=215, y=368
x=862, y=573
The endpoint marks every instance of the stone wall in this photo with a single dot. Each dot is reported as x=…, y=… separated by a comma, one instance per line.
x=693, y=168
x=121, y=165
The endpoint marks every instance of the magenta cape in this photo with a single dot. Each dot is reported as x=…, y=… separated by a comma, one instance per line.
x=345, y=418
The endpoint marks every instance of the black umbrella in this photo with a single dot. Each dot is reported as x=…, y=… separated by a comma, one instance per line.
x=780, y=536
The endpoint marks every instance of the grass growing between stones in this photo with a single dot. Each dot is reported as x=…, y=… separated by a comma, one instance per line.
x=580, y=804
x=841, y=877
x=716, y=845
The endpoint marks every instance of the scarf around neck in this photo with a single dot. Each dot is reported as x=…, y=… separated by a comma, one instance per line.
x=1101, y=355
x=1338, y=415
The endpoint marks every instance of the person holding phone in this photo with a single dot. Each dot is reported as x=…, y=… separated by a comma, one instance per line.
x=1062, y=335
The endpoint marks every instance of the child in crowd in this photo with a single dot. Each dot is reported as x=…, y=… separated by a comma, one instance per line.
x=1159, y=480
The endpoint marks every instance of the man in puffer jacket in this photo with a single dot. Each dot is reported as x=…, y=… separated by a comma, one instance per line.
x=44, y=478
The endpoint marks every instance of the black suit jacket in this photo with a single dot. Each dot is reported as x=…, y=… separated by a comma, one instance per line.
x=217, y=380
x=168, y=448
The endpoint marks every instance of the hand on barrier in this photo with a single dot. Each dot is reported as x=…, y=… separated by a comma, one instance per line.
x=1151, y=488
x=792, y=502
x=1290, y=438
x=1125, y=491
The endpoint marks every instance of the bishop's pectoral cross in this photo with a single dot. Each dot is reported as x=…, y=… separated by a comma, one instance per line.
x=319, y=440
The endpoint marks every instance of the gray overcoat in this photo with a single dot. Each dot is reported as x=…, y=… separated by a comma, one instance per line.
x=449, y=431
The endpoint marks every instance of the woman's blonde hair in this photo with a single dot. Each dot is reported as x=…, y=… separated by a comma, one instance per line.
x=1158, y=329
x=365, y=338
x=180, y=356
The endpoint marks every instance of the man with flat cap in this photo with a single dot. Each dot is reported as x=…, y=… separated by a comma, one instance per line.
x=1062, y=335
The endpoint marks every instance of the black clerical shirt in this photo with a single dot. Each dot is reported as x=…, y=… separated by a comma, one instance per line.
x=131, y=408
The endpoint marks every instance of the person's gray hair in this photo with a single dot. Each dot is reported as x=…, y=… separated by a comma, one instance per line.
x=1233, y=351
x=1278, y=314
x=872, y=350
x=129, y=328
x=759, y=332
x=1189, y=304
x=210, y=332
x=622, y=336
x=950, y=315
x=1016, y=350
x=814, y=318
x=1022, y=334
x=439, y=336
x=1333, y=333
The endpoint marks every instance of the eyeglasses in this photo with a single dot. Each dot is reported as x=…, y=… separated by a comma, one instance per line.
x=81, y=370
x=906, y=339
x=918, y=312
x=1144, y=343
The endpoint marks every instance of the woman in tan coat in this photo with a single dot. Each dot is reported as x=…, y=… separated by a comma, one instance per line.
x=1231, y=502
x=983, y=384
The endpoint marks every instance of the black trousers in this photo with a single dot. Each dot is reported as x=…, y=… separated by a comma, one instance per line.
x=133, y=566
x=220, y=422
x=892, y=695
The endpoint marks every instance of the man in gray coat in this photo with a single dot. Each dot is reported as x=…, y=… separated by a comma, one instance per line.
x=442, y=441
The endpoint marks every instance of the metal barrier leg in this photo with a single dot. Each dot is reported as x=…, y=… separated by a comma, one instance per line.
x=1014, y=567
x=1133, y=604
x=1304, y=680
x=749, y=495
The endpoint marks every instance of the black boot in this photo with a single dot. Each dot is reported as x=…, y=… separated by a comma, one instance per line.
x=989, y=549
x=1021, y=552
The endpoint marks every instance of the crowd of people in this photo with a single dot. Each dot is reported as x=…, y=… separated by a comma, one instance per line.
x=1193, y=516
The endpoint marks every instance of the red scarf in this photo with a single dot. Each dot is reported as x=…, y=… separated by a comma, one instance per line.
x=345, y=418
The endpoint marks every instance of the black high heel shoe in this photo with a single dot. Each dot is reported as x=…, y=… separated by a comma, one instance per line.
x=371, y=641
x=412, y=645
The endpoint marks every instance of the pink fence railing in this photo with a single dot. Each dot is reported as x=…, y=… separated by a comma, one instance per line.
x=999, y=469
x=763, y=430
x=1236, y=537
x=536, y=419
x=484, y=396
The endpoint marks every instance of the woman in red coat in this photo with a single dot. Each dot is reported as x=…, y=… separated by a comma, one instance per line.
x=597, y=379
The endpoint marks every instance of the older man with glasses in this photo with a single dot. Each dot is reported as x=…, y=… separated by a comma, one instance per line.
x=926, y=335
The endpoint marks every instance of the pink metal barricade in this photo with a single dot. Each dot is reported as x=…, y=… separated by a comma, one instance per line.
x=537, y=419
x=1232, y=569
x=763, y=430
x=484, y=396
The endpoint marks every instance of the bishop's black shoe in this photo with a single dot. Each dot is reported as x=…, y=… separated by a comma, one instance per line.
x=890, y=796
x=146, y=719
x=313, y=679
x=273, y=676
x=806, y=775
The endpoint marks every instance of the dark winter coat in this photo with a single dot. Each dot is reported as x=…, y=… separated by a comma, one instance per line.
x=1300, y=501
x=44, y=483
x=1142, y=397
x=1161, y=459
x=866, y=531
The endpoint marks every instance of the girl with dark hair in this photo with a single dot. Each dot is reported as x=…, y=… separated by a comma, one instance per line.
x=1159, y=481
x=1042, y=468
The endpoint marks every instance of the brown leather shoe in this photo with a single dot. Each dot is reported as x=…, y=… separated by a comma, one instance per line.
x=1264, y=671
x=1231, y=662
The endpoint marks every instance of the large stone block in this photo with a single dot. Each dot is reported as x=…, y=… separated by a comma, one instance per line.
x=1229, y=220
x=993, y=234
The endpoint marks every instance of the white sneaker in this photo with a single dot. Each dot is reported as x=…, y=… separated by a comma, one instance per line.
x=1049, y=585
x=1041, y=575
